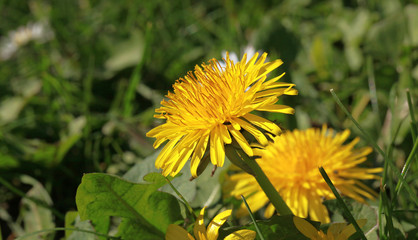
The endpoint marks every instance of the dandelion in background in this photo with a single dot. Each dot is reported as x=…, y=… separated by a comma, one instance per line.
x=200, y=232
x=337, y=231
x=39, y=31
x=209, y=107
x=291, y=163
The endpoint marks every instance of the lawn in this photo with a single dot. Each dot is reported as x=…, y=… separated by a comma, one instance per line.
x=80, y=82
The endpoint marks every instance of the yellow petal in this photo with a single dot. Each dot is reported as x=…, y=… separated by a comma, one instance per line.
x=277, y=108
x=226, y=137
x=199, y=226
x=252, y=130
x=291, y=91
x=350, y=230
x=251, y=61
x=268, y=213
x=179, y=159
x=305, y=228
x=160, y=161
x=255, y=201
x=243, y=234
x=317, y=211
x=273, y=84
x=270, y=66
x=154, y=131
x=180, y=154
x=198, y=153
x=164, y=134
x=303, y=203
x=217, y=148
x=272, y=92
x=213, y=228
x=263, y=123
x=175, y=232
x=336, y=228
x=241, y=141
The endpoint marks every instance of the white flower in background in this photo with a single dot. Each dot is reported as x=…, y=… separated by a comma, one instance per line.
x=249, y=50
x=39, y=31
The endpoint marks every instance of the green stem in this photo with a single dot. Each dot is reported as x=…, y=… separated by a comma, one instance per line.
x=263, y=181
x=406, y=167
x=365, y=135
x=342, y=203
x=182, y=198
x=413, y=123
x=252, y=218
x=411, y=108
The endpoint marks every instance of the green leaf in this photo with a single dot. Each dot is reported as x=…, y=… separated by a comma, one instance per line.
x=181, y=183
x=359, y=211
x=203, y=191
x=72, y=220
x=36, y=217
x=142, y=208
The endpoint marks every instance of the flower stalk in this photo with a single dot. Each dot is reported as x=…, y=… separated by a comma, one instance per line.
x=263, y=181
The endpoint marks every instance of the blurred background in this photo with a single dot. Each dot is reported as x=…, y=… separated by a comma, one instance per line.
x=80, y=79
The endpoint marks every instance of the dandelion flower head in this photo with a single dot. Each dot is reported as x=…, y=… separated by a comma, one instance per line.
x=209, y=107
x=200, y=232
x=291, y=163
x=336, y=231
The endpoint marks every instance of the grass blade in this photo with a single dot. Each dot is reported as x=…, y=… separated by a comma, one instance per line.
x=365, y=135
x=378, y=149
x=411, y=110
x=252, y=218
x=406, y=167
x=342, y=203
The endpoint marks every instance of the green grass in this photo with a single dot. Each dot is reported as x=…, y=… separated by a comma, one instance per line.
x=83, y=100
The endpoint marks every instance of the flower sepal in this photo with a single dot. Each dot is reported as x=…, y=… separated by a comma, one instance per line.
x=235, y=157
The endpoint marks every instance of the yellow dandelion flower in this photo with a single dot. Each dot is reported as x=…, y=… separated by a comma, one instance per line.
x=200, y=232
x=211, y=105
x=337, y=231
x=291, y=163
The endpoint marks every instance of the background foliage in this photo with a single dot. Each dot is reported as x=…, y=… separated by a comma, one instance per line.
x=82, y=99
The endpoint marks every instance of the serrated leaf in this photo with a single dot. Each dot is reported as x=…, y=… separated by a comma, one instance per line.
x=181, y=182
x=203, y=191
x=141, y=206
x=359, y=211
x=72, y=220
